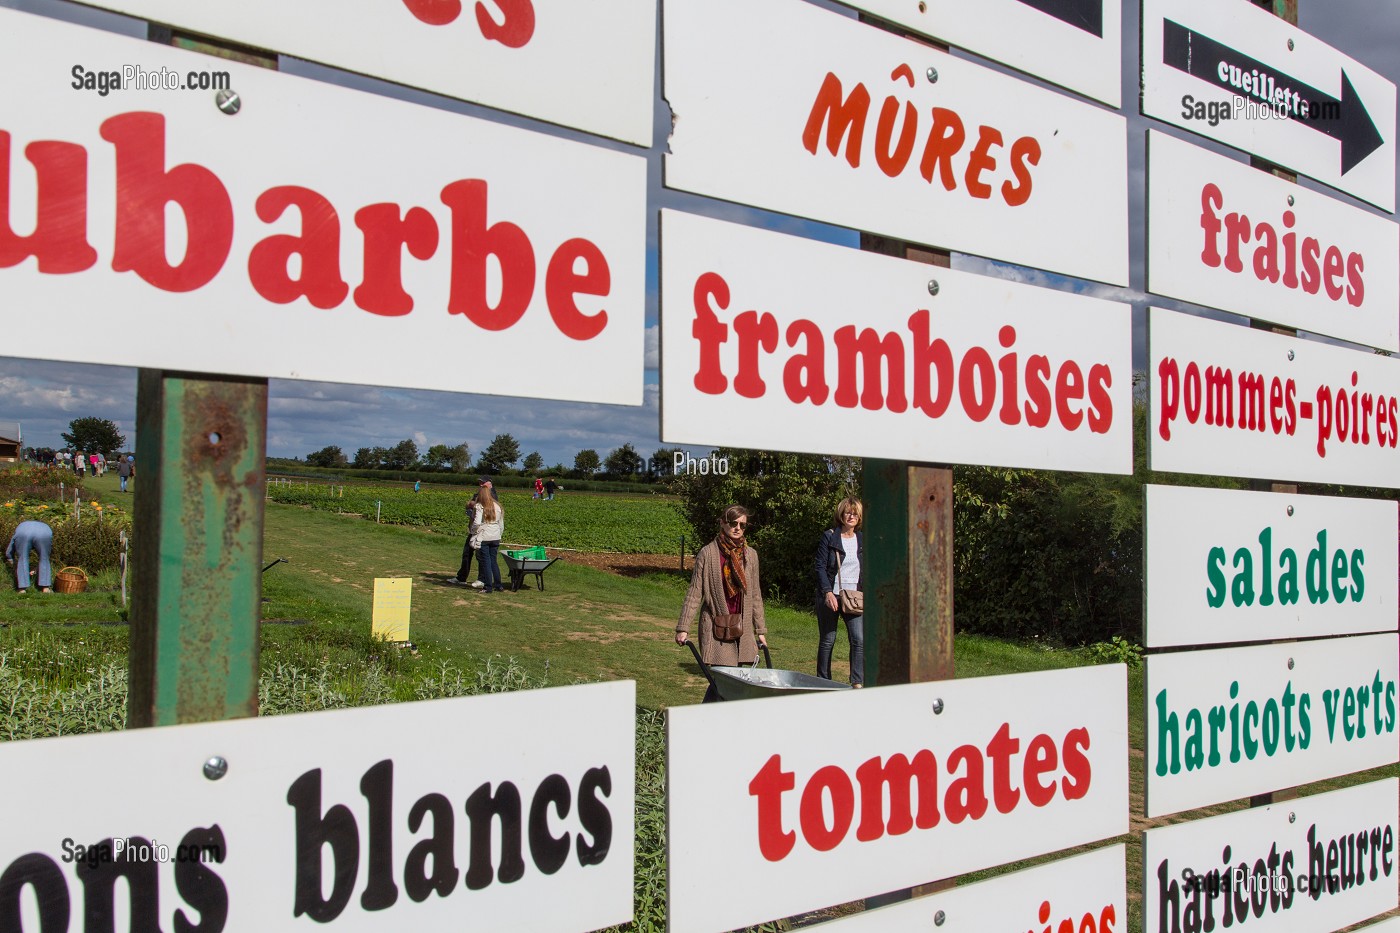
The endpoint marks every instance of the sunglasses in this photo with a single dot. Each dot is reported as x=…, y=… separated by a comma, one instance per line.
x=737, y=524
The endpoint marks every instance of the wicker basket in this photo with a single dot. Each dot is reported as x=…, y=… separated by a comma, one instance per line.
x=70, y=580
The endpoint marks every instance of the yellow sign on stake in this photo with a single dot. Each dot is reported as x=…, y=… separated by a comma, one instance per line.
x=392, y=597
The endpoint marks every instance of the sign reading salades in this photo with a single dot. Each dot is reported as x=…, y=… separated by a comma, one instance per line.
x=1229, y=236
x=1086, y=893
x=1235, y=73
x=1233, y=722
x=504, y=812
x=782, y=343
x=816, y=114
x=404, y=247
x=585, y=65
x=1227, y=400
x=1316, y=863
x=925, y=782
x=1072, y=43
x=1229, y=565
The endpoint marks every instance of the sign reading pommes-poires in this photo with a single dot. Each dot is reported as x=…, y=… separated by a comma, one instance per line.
x=403, y=247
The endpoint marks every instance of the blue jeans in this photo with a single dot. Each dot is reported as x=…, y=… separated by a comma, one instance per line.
x=855, y=632
x=490, y=575
x=38, y=536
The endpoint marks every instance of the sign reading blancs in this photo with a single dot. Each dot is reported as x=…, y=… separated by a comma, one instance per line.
x=350, y=819
x=287, y=241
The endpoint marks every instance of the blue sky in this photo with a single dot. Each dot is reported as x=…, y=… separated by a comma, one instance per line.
x=306, y=416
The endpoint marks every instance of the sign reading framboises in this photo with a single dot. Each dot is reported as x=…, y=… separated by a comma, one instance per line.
x=303, y=231
x=830, y=798
x=504, y=812
x=776, y=342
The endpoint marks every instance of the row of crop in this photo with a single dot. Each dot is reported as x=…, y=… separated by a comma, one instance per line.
x=623, y=524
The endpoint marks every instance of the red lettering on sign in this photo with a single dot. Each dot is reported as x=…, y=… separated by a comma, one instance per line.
x=515, y=29
x=59, y=241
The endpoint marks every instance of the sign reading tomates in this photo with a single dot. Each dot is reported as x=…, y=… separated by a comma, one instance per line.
x=404, y=247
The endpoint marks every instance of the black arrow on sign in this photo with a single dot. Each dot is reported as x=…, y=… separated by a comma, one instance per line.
x=1344, y=120
x=1083, y=14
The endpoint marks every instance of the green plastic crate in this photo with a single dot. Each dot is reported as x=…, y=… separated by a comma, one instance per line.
x=527, y=553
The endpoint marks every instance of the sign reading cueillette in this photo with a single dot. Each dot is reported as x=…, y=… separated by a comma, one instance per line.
x=1227, y=400
x=816, y=114
x=504, y=812
x=1072, y=43
x=1234, y=566
x=1315, y=863
x=1233, y=722
x=288, y=241
x=1235, y=73
x=928, y=781
x=509, y=54
x=783, y=343
x=1229, y=236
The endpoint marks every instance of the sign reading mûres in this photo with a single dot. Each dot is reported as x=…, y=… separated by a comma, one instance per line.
x=1234, y=566
x=1085, y=893
x=288, y=241
x=1230, y=401
x=816, y=114
x=1232, y=722
x=504, y=812
x=781, y=343
x=1226, y=235
x=1072, y=43
x=1235, y=73
x=1316, y=863
x=507, y=53
x=927, y=781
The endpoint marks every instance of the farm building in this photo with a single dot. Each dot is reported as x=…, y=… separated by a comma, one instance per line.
x=9, y=441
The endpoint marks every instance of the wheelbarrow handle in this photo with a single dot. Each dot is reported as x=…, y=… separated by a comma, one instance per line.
x=704, y=668
x=768, y=658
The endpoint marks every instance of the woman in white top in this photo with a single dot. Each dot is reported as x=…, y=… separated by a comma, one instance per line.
x=838, y=565
x=488, y=525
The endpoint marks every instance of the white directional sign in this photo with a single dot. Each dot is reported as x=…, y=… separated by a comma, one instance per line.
x=585, y=65
x=1073, y=43
x=1226, y=235
x=504, y=812
x=1316, y=863
x=927, y=781
x=1228, y=565
x=1235, y=73
x=1232, y=722
x=816, y=114
x=1230, y=401
x=782, y=343
x=1086, y=893
x=405, y=247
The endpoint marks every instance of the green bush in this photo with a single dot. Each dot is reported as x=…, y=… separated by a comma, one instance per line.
x=36, y=482
x=89, y=542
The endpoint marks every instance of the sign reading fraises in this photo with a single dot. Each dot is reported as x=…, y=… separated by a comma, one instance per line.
x=1233, y=722
x=1316, y=863
x=1086, y=894
x=831, y=798
x=284, y=240
x=1072, y=43
x=782, y=343
x=1234, y=565
x=1232, y=237
x=1227, y=400
x=504, y=812
x=1235, y=73
x=507, y=53
x=816, y=114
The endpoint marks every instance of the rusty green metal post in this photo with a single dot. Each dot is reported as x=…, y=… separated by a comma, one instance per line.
x=197, y=589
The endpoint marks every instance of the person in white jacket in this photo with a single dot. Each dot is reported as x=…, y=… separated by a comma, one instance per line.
x=488, y=525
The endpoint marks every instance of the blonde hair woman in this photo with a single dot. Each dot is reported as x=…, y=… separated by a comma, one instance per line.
x=838, y=565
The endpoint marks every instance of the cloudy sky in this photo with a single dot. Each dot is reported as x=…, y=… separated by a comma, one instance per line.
x=305, y=416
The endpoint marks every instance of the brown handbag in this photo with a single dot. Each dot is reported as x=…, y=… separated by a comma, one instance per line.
x=728, y=626
x=851, y=602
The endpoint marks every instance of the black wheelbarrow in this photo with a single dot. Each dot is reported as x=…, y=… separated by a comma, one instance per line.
x=751, y=683
x=527, y=561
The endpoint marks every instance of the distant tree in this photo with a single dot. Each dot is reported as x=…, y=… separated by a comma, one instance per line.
x=586, y=463
x=460, y=458
x=94, y=436
x=500, y=454
x=438, y=457
x=533, y=462
x=402, y=456
x=369, y=458
x=663, y=462
x=623, y=462
x=330, y=456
